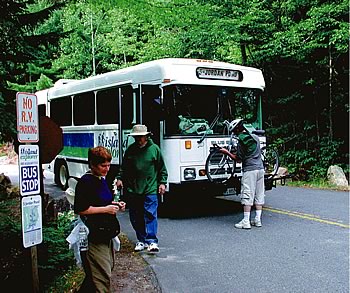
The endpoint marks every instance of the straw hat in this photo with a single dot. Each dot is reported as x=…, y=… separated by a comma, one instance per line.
x=139, y=129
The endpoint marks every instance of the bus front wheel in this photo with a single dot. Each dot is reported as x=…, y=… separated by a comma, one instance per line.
x=61, y=174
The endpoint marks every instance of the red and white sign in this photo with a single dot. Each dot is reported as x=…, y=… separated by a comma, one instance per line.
x=27, y=117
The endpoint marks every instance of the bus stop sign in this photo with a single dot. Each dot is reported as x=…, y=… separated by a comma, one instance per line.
x=50, y=139
x=29, y=174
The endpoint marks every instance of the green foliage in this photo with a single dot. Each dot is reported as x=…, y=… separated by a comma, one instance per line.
x=313, y=162
x=54, y=256
x=7, y=119
x=10, y=224
x=301, y=46
x=15, y=87
x=12, y=254
x=19, y=46
x=67, y=282
x=319, y=183
x=43, y=82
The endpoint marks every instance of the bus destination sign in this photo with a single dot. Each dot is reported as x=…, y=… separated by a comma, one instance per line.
x=223, y=74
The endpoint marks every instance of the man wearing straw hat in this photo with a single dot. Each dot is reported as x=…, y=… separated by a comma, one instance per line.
x=143, y=176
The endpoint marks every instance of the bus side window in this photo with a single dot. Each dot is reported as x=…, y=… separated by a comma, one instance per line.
x=84, y=109
x=137, y=106
x=61, y=111
x=152, y=110
x=127, y=103
x=107, y=106
x=42, y=110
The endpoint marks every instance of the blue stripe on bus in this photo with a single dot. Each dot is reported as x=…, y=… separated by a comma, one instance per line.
x=83, y=140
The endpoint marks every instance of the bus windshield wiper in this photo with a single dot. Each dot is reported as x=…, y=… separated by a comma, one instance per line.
x=218, y=115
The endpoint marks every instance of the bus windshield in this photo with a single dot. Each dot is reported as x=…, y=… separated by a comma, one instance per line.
x=198, y=109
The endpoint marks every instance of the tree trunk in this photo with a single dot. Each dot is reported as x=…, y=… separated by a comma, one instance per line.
x=243, y=53
x=93, y=48
x=330, y=116
x=317, y=122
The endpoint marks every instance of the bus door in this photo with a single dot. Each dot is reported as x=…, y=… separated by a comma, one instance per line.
x=127, y=117
x=151, y=110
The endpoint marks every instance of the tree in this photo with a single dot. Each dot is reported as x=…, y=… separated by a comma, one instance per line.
x=114, y=34
x=302, y=59
x=18, y=48
x=301, y=46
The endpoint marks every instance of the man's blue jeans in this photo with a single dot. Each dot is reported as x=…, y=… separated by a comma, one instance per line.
x=143, y=216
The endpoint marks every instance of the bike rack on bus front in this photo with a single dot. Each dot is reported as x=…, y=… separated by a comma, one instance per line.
x=272, y=182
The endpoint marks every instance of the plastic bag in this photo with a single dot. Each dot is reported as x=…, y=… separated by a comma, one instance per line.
x=194, y=126
x=70, y=191
x=116, y=243
x=74, y=241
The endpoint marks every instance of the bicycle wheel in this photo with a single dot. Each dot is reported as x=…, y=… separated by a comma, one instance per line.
x=270, y=160
x=219, y=167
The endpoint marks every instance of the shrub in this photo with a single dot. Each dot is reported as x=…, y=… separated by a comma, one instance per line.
x=54, y=257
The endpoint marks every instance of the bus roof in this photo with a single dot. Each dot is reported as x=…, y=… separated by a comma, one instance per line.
x=164, y=72
x=41, y=96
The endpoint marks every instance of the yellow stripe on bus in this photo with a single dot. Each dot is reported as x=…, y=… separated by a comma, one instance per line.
x=306, y=216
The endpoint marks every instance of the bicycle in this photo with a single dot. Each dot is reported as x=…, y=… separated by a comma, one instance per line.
x=221, y=166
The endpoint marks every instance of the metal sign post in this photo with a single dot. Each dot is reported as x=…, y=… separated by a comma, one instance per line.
x=49, y=142
x=30, y=177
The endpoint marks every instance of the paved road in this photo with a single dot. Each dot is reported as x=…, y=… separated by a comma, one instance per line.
x=303, y=245
x=10, y=170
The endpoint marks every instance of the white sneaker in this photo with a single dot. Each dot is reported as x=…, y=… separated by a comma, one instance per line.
x=243, y=225
x=153, y=247
x=256, y=223
x=139, y=246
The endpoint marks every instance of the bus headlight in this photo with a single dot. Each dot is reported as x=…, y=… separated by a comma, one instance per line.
x=190, y=173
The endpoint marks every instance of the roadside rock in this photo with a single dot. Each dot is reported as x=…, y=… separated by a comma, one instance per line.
x=282, y=171
x=6, y=188
x=337, y=177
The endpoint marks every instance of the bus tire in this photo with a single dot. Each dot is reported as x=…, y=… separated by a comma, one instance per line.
x=61, y=174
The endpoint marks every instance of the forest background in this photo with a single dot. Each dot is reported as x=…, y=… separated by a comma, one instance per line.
x=302, y=47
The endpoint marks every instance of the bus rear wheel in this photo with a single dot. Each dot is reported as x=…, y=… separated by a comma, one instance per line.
x=61, y=174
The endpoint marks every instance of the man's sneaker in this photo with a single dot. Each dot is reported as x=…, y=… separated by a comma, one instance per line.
x=243, y=225
x=153, y=248
x=256, y=223
x=140, y=246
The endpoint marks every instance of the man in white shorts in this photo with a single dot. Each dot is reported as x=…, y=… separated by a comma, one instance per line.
x=252, y=184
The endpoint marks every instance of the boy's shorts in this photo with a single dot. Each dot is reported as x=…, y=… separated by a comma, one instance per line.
x=253, y=188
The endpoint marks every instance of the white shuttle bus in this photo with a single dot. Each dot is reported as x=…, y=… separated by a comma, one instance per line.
x=183, y=102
